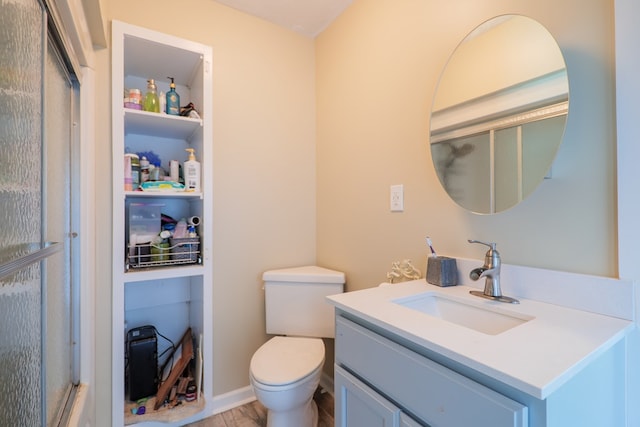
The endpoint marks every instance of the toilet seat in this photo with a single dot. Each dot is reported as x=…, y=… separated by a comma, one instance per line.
x=285, y=360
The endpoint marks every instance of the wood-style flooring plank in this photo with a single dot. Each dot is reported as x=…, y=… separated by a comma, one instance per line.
x=215, y=421
x=325, y=409
x=254, y=414
x=249, y=415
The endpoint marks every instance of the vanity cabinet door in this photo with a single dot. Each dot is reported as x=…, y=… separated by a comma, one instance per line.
x=407, y=421
x=431, y=392
x=357, y=405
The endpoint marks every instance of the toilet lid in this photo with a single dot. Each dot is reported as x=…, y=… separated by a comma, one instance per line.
x=284, y=360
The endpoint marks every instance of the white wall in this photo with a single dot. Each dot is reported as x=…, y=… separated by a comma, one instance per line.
x=523, y=47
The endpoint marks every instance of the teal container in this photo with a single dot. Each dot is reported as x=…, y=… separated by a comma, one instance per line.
x=173, y=100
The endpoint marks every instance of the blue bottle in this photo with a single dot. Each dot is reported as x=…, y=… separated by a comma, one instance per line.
x=173, y=100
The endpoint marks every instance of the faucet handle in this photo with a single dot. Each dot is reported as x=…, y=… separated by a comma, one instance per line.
x=492, y=246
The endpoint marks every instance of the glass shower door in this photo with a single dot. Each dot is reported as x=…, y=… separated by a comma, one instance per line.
x=21, y=52
x=57, y=167
x=35, y=212
x=21, y=46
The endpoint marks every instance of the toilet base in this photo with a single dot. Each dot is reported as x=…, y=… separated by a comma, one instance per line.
x=302, y=416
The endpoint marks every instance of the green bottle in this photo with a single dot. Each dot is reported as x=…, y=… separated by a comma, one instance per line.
x=151, y=101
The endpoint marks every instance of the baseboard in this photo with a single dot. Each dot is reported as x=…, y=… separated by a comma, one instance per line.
x=326, y=382
x=239, y=397
x=233, y=399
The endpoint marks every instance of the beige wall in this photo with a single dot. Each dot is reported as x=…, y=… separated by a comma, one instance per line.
x=524, y=48
x=377, y=69
x=351, y=111
x=264, y=171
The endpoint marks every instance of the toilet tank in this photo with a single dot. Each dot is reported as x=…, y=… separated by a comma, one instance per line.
x=295, y=301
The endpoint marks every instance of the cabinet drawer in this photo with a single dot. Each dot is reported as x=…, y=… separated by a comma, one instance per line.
x=434, y=394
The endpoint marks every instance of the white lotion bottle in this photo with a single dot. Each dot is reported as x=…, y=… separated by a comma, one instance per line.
x=191, y=169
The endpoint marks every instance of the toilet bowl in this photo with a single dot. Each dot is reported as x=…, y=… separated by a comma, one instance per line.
x=285, y=373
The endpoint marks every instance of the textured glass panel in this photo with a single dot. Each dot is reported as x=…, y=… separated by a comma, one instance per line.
x=57, y=208
x=20, y=357
x=21, y=50
x=459, y=163
x=20, y=121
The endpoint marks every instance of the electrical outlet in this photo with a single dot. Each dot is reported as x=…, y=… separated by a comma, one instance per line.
x=397, y=198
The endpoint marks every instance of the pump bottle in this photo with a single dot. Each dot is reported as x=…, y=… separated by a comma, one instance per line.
x=173, y=100
x=191, y=172
x=151, y=101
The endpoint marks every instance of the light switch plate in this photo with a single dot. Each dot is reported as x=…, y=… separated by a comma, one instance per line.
x=397, y=198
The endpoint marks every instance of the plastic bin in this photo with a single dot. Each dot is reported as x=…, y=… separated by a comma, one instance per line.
x=144, y=222
x=185, y=249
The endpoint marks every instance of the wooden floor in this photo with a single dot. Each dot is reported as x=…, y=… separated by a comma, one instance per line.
x=255, y=415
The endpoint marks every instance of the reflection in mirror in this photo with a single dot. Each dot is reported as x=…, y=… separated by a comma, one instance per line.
x=499, y=114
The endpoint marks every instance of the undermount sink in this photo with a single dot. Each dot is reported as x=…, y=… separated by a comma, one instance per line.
x=481, y=319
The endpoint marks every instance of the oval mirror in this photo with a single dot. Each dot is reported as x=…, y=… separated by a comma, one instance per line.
x=499, y=114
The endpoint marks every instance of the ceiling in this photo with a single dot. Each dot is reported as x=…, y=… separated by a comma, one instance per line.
x=308, y=17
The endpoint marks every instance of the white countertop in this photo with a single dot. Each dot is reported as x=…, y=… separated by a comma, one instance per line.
x=536, y=357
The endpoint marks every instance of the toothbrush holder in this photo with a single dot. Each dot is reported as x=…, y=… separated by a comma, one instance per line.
x=442, y=271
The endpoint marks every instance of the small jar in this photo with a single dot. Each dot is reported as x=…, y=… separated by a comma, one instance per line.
x=135, y=96
x=133, y=99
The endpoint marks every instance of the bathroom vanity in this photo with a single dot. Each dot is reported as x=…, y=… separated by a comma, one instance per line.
x=415, y=354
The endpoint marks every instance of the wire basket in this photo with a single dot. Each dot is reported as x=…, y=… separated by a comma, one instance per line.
x=176, y=252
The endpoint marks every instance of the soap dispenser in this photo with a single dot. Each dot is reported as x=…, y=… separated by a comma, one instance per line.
x=173, y=100
x=151, y=101
x=192, y=172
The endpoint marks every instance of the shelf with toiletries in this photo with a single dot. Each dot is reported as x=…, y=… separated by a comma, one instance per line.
x=163, y=209
x=161, y=149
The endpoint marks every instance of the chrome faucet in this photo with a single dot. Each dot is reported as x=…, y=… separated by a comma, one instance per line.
x=491, y=272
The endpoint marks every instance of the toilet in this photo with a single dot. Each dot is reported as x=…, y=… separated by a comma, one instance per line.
x=285, y=371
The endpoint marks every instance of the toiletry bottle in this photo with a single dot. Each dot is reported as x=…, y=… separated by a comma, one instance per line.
x=160, y=247
x=128, y=180
x=173, y=100
x=174, y=171
x=135, y=170
x=144, y=169
x=191, y=172
x=181, y=229
x=163, y=102
x=151, y=101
